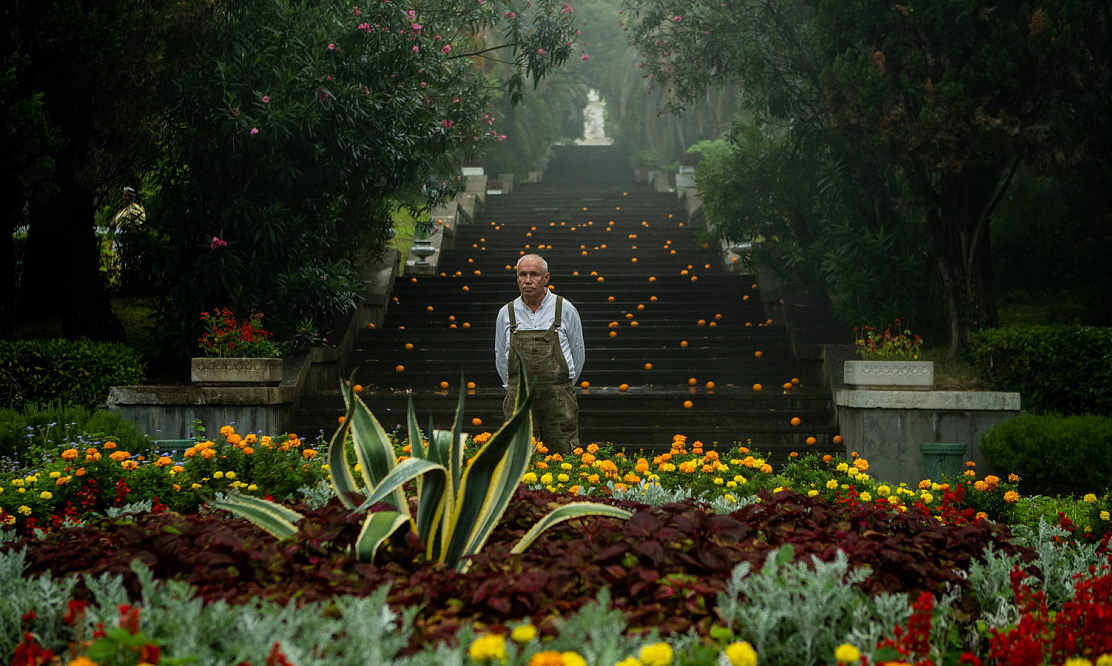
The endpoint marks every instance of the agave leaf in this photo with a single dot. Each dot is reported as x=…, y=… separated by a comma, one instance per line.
x=457, y=443
x=373, y=450
x=489, y=483
x=405, y=470
x=440, y=449
x=567, y=512
x=273, y=518
x=416, y=440
x=376, y=529
x=342, y=480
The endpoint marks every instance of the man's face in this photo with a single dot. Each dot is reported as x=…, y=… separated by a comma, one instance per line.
x=531, y=278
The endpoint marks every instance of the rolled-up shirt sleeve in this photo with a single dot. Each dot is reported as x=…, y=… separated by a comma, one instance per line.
x=574, y=331
x=502, y=345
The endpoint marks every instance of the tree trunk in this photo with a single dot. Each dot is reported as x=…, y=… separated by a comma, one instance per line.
x=61, y=276
x=958, y=209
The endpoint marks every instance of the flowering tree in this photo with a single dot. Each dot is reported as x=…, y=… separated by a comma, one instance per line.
x=297, y=126
x=942, y=96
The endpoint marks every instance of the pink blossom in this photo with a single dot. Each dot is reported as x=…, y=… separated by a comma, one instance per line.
x=423, y=84
x=235, y=111
x=216, y=242
x=677, y=19
x=502, y=137
x=415, y=27
x=437, y=38
x=578, y=33
x=584, y=57
x=447, y=49
x=447, y=123
x=254, y=131
x=416, y=49
x=567, y=9
x=509, y=16
x=328, y=78
x=355, y=11
x=411, y=14
x=331, y=47
x=266, y=99
x=540, y=51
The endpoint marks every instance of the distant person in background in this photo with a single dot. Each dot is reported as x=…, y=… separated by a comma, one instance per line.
x=545, y=328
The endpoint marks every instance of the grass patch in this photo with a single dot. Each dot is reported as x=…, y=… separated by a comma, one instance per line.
x=404, y=227
x=954, y=374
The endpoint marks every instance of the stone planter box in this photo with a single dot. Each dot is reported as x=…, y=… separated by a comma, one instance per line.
x=236, y=371
x=890, y=375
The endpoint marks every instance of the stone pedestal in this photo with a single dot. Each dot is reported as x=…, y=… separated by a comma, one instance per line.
x=890, y=375
x=236, y=371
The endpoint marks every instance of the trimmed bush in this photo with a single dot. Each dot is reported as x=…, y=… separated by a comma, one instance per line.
x=1053, y=454
x=1057, y=368
x=70, y=372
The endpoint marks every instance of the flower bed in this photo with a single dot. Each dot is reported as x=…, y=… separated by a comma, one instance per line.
x=801, y=565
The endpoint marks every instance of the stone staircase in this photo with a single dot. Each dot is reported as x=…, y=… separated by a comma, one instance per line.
x=688, y=339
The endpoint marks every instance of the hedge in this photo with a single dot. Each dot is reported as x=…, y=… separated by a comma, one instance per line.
x=1056, y=368
x=68, y=372
x=1053, y=454
x=46, y=427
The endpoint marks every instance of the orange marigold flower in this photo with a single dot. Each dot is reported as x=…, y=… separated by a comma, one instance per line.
x=163, y=461
x=208, y=454
x=992, y=480
x=407, y=448
x=1013, y=478
x=981, y=515
x=642, y=466
x=588, y=459
x=981, y=486
x=1011, y=497
x=129, y=465
x=251, y=438
x=711, y=455
x=234, y=439
x=593, y=479
x=109, y=445
x=70, y=454
x=190, y=452
x=592, y=448
x=706, y=469
x=766, y=468
x=547, y=658
x=742, y=449
x=120, y=455
x=247, y=450
x=227, y=430
x=607, y=466
x=970, y=472
x=630, y=477
x=540, y=465
x=61, y=481
x=578, y=450
x=80, y=472
x=557, y=457
x=861, y=464
x=177, y=469
x=308, y=454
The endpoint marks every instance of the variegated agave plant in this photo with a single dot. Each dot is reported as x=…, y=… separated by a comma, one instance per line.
x=458, y=504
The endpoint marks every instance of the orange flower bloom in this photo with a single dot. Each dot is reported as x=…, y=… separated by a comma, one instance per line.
x=163, y=461
x=109, y=445
x=129, y=465
x=70, y=454
x=208, y=454
x=247, y=450
x=308, y=454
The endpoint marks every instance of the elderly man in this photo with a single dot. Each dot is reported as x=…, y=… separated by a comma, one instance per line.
x=546, y=330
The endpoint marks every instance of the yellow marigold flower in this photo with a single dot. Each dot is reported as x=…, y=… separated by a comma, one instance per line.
x=218, y=475
x=981, y=515
x=529, y=478
x=1104, y=660
x=847, y=654
x=227, y=430
x=546, y=478
x=573, y=659
x=1089, y=498
x=926, y=498
x=852, y=472
x=70, y=454
x=992, y=480
x=893, y=500
x=46, y=494
x=593, y=479
x=667, y=467
x=656, y=654
x=832, y=484
x=740, y=654
x=120, y=455
x=861, y=464
x=488, y=647
x=970, y=472
x=766, y=468
x=1011, y=497
x=866, y=497
x=92, y=455
x=925, y=484
x=567, y=467
x=883, y=491
x=981, y=486
x=267, y=441
x=563, y=478
x=688, y=466
x=82, y=661
x=812, y=492
x=524, y=633
x=129, y=465
x=230, y=475
x=1077, y=661
x=208, y=454
x=1104, y=515
x=24, y=509
x=935, y=487
x=10, y=520
x=55, y=475
x=252, y=487
x=718, y=481
x=842, y=467
x=629, y=661
x=308, y=454
x=17, y=482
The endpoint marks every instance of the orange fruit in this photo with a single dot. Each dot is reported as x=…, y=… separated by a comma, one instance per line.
x=451, y=325
x=694, y=278
x=718, y=317
x=702, y=322
x=692, y=381
x=428, y=309
x=465, y=288
x=710, y=386
x=629, y=315
x=341, y=420
x=754, y=286
x=787, y=386
x=466, y=324
x=371, y=325
x=633, y=260
x=652, y=278
x=600, y=279
x=476, y=421
x=827, y=458
x=745, y=297
x=683, y=343
x=648, y=366
x=610, y=298
x=640, y=306
x=795, y=381
x=623, y=388
x=400, y=368
x=478, y=272
x=683, y=272
x=409, y=345
x=357, y=389
x=584, y=384
x=811, y=441
x=443, y=386
x=613, y=334
x=796, y=421
x=632, y=323
x=413, y=280
x=714, y=324
x=471, y=386
x=837, y=439
x=758, y=354
x=652, y=298
x=687, y=404
x=451, y=317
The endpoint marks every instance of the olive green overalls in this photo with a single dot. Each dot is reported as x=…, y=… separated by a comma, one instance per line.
x=555, y=411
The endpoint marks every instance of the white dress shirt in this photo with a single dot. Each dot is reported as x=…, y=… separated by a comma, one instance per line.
x=570, y=332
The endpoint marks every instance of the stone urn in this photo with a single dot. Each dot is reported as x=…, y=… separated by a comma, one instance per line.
x=236, y=371
x=890, y=375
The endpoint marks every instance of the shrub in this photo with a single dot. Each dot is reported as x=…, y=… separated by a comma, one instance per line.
x=1057, y=368
x=71, y=372
x=39, y=428
x=1053, y=453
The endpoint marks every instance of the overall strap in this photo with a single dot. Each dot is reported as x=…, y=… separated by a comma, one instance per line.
x=559, y=311
x=513, y=316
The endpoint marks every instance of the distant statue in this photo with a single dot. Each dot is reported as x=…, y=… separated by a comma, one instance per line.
x=594, y=121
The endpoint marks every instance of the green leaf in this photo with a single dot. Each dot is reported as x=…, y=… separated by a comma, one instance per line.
x=568, y=512
x=376, y=529
x=272, y=517
x=373, y=449
x=405, y=471
x=342, y=479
